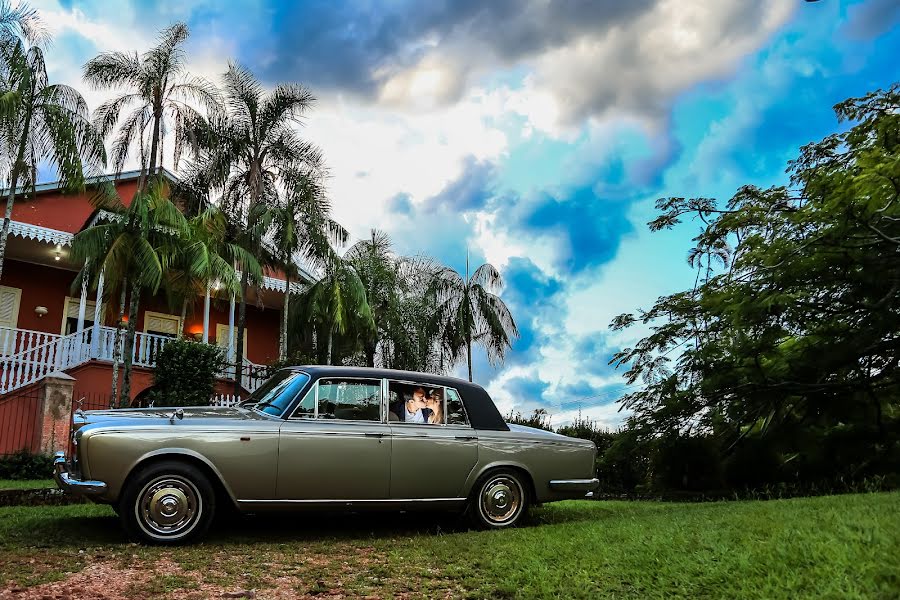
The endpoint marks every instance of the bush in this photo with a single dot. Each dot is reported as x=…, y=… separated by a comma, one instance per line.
x=25, y=465
x=687, y=463
x=186, y=373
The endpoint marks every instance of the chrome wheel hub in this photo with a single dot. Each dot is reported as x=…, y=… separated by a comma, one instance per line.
x=168, y=506
x=501, y=499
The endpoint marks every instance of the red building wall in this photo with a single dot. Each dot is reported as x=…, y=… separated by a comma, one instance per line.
x=64, y=212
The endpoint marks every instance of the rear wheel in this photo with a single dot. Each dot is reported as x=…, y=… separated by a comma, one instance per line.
x=500, y=500
x=167, y=503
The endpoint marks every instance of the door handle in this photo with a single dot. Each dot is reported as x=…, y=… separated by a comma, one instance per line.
x=467, y=438
x=375, y=435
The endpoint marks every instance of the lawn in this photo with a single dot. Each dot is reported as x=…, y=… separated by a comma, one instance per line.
x=826, y=547
x=26, y=484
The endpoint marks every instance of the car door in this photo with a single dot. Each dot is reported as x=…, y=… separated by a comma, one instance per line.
x=335, y=445
x=430, y=460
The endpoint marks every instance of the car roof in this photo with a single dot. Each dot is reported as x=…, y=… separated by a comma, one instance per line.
x=482, y=411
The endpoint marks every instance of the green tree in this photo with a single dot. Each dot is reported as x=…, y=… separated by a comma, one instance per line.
x=792, y=331
x=162, y=96
x=135, y=248
x=302, y=230
x=40, y=122
x=472, y=312
x=336, y=303
x=252, y=153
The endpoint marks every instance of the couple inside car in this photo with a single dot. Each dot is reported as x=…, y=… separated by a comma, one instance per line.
x=419, y=406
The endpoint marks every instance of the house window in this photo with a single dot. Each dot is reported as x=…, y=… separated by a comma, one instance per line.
x=162, y=324
x=222, y=337
x=10, y=298
x=70, y=315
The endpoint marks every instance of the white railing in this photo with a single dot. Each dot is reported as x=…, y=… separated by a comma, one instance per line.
x=26, y=356
x=224, y=400
x=31, y=355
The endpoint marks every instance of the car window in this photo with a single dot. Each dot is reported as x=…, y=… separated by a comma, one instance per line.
x=273, y=396
x=456, y=412
x=350, y=399
x=307, y=407
x=417, y=403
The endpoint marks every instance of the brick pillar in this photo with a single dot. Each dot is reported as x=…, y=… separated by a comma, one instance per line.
x=55, y=392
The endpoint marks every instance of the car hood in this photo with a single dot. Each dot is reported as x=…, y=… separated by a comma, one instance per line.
x=153, y=416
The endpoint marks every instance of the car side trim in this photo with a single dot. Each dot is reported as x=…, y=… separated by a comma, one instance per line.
x=349, y=501
x=575, y=485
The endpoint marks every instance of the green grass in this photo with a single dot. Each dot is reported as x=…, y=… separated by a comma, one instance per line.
x=26, y=484
x=827, y=547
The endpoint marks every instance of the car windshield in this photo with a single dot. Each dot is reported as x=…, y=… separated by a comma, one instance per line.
x=274, y=395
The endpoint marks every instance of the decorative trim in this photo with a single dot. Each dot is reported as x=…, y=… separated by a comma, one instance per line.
x=41, y=234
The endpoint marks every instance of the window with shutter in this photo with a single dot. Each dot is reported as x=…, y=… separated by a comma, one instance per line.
x=10, y=298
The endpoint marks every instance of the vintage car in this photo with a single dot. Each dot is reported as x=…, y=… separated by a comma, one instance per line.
x=321, y=437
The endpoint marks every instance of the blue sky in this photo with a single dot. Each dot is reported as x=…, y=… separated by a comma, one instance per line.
x=535, y=135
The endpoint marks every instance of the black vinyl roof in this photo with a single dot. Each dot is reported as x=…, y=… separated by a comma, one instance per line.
x=483, y=414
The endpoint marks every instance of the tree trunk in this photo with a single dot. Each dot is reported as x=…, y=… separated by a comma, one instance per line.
x=184, y=304
x=469, y=354
x=282, y=343
x=13, y=183
x=154, y=149
x=117, y=347
x=125, y=396
x=239, y=350
x=330, y=344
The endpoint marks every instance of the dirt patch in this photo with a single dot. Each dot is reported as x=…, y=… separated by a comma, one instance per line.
x=360, y=573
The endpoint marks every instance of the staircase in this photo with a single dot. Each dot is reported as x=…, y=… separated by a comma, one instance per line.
x=27, y=356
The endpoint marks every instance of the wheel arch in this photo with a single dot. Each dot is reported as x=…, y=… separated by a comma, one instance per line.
x=223, y=491
x=503, y=465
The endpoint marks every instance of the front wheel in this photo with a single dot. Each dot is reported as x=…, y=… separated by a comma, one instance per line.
x=167, y=503
x=500, y=500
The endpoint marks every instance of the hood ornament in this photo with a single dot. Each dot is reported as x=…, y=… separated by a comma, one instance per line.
x=80, y=411
x=178, y=413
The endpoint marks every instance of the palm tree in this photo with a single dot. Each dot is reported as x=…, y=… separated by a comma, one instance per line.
x=43, y=123
x=473, y=313
x=336, y=303
x=162, y=97
x=207, y=259
x=21, y=22
x=252, y=153
x=135, y=249
x=302, y=228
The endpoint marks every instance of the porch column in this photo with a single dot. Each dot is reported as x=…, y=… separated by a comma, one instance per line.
x=98, y=316
x=231, y=352
x=82, y=302
x=206, y=316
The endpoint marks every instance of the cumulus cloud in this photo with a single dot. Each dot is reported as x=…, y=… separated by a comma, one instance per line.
x=586, y=58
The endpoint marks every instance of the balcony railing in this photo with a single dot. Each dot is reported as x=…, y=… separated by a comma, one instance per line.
x=27, y=356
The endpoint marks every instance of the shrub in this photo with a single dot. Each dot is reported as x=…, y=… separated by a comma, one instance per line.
x=689, y=463
x=186, y=373
x=25, y=465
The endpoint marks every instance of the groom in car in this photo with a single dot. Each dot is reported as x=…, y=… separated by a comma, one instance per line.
x=413, y=410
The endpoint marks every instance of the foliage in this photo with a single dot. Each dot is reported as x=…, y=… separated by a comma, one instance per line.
x=40, y=122
x=185, y=373
x=539, y=419
x=251, y=154
x=161, y=96
x=792, y=331
x=26, y=465
x=472, y=313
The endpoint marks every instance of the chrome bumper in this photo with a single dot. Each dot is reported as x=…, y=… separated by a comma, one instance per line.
x=574, y=485
x=68, y=483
